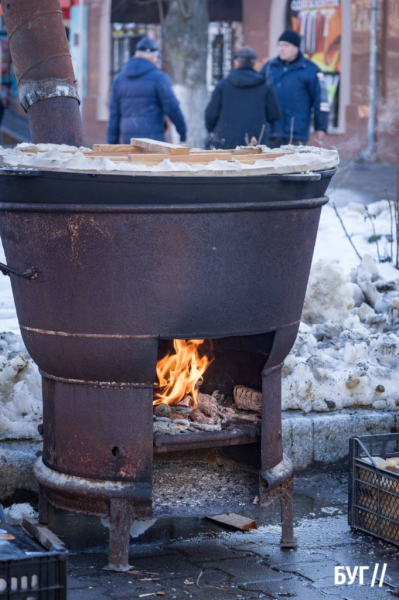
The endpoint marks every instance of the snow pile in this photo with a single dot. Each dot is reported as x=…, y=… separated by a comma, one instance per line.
x=349, y=357
x=138, y=527
x=48, y=147
x=347, y=350
x=329, y=295
x=17, y=512
x=20, y=390
x=67, y=158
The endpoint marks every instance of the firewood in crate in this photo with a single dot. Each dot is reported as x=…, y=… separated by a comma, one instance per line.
x=247, y=399
x=392, y=464
x=389, y=464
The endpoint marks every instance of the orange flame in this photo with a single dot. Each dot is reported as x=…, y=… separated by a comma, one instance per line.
x=178, y=374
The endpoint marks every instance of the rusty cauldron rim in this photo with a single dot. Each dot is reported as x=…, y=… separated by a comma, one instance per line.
x=162, y=208
x=63, y=189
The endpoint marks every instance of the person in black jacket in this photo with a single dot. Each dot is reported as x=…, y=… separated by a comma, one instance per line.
x=141, y=97
x=301, y=91
x=241, y=105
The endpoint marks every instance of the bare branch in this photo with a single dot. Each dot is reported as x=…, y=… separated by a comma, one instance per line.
x=345, y=230
x=371, y=219
x=391, y=218
x=397, y=219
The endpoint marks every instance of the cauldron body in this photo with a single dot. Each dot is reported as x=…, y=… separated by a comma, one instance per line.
x=122, y=265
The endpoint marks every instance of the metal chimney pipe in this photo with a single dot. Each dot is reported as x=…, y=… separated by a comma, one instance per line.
x=44, y=71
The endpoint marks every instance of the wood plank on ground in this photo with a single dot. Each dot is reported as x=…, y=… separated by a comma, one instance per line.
x=235, y=521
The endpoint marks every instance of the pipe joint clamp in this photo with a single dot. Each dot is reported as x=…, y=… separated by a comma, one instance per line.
x=31, y=92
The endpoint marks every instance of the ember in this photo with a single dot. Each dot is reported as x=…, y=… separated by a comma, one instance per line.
x=180, y=374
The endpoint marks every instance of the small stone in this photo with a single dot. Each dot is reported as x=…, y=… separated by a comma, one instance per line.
x=380, y=389
x=385, y=286
x=163, y=410
x=218, y=395
x=352, y=382
x=330, y=404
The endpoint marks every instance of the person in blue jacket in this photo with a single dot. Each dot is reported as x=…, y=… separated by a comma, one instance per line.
x=141, y=97
x=301, y=91
x=241, y=105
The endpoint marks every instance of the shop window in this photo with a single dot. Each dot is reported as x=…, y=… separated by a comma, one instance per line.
x=223, y=39
x=125, y=37
x=319, y=22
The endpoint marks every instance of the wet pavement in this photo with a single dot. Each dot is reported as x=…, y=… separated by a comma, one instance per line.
x=363, y=182
x=195, y=558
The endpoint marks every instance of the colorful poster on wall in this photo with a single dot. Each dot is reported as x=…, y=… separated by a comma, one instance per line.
x=7, y=74
x=319, y=22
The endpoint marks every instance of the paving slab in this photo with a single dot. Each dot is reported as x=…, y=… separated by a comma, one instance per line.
x=210, y=563
x=288, y=588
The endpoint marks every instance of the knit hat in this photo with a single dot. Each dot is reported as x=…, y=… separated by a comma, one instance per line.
x=291, y=36
x=246, y=52
x=147, y=45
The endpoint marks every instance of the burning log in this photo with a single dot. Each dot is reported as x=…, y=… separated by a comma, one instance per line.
x=247, y=398
x=208, y=406
x=209, y=415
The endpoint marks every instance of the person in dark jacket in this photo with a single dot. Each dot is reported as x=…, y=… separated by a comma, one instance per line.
x=301, y=91
x=141, y=97
x=241, y=105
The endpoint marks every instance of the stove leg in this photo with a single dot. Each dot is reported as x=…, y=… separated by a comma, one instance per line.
x=121, y=518
x=288, y=541
x=43, y=506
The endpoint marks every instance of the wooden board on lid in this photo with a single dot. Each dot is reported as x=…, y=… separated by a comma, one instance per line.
x=159, y=147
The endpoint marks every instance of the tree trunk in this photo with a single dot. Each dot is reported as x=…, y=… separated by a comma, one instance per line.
x=185, y=47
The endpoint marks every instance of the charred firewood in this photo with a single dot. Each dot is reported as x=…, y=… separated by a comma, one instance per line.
x=247, y=399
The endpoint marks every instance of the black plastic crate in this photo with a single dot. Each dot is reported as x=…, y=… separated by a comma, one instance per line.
x=27, y=570
x=374, y=490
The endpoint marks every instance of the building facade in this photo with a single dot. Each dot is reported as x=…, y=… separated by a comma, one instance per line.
x=336, y=35
x=344, y=40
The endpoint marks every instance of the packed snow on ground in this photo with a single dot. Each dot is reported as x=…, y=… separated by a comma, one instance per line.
x=347, y=350
x=20, y=383
x=17, y=512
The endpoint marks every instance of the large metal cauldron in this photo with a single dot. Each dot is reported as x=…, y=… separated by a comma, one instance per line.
x=113, y=265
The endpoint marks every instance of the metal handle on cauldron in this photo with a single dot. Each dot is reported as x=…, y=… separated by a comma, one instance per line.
x=30, y=273
x=301, y=177
x=20, y=171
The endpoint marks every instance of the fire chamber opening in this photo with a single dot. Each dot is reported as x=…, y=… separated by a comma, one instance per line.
x=180, y=374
